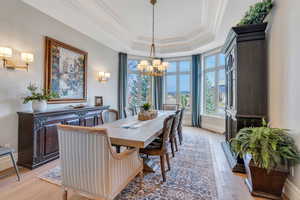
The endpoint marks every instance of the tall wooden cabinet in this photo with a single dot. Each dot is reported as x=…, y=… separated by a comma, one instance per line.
x=38, y=139
x=246, y=83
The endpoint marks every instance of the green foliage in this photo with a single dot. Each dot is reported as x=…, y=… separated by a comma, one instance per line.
x=146, y=106
x=257, y=13
x=38, y=94
x=138, y=95
x=269, y=147
x=184, y=100
x=210, y=105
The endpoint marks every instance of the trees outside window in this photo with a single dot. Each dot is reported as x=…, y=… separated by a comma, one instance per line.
x=139, y=87
x=214, y=84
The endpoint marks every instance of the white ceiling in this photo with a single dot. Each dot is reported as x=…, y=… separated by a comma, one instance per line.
x=182, y=26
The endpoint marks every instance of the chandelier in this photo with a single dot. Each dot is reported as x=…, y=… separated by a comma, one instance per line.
x=156, y=67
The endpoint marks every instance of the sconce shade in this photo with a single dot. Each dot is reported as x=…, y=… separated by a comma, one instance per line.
x=27, y=57
x=5, y=52
x=103, y=76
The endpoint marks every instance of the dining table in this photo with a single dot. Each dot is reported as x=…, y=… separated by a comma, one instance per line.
x=131, y=132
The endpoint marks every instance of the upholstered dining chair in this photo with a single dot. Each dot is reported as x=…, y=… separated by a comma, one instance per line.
x=91, y=167
x=174, y=133
x=160, y=147
x=170, y=106
x=109, y=115
x=129, y=112
x=179, y=129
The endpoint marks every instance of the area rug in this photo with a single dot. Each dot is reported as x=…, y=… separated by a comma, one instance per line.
x=191, y=176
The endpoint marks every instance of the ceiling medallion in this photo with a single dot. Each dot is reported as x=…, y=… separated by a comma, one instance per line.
x=156, y=67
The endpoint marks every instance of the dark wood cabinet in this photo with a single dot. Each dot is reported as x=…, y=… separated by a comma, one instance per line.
x=246, y=83
x=38, y=139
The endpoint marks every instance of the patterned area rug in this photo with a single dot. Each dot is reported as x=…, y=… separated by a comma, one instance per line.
x=191, y=176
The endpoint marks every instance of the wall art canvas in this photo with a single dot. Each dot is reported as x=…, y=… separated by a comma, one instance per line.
x=65, y=72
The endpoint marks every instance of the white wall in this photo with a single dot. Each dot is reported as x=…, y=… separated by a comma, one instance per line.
x=284, y=73
x=23, y=28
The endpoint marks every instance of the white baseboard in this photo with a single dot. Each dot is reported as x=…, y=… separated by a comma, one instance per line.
x=5, y=162
x=291, y=190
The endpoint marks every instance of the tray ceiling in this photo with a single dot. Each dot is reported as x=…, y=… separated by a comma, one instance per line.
x=182, y=27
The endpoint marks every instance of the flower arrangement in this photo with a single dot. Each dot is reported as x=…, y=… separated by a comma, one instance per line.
x=38, y=94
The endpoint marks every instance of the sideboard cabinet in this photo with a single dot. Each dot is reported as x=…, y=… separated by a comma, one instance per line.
x=38, y=139
x=246, y=84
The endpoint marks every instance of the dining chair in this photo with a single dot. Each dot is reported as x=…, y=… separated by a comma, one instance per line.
x=174, y=133
x=91, y=167
x=129, y=112
x=160, y=147
x=5, y=151
x=179, y=129
x=137, y=109
x=109, y=115
x=170, y=106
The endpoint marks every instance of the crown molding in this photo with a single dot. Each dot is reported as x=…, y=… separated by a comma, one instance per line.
x=101, y=22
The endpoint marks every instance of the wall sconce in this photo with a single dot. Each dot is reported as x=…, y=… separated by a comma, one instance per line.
x=6, y=53
x=103, y=77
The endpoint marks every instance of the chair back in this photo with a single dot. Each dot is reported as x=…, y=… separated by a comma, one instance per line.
x=137, y=109
x=175, y=122
x=170, y=106
x=109, y=115
x=181, y=118
x=167, y=130
x=85, y=154
x=129, y=112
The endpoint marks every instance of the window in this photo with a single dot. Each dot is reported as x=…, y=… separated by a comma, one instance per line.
x=214, y=84
x=178, y=85
x=139, y=87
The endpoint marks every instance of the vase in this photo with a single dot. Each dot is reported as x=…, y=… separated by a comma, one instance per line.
x=39, y=106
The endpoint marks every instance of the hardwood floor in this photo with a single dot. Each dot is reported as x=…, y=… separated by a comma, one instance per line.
x=230, y=186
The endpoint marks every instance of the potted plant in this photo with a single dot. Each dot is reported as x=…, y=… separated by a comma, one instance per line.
x=268, y=154
x=146, y=112
x=146, y=107
x=38, y=98
x=257, y=13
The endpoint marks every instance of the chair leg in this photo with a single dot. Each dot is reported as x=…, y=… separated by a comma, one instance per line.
x=65, y=195
x=172, y=147
x=141, y=175
x=175, y=142
x=180, y=136
x=15, y=165
x=168, y=161
x=162, y=166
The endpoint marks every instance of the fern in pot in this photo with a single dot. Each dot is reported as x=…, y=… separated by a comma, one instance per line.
x=39, y=98
x=268, y=154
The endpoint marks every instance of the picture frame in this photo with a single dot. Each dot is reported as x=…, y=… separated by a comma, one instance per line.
x=98, y=101
x=65, y=72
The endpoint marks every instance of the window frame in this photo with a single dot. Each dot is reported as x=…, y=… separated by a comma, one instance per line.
x=216, y=69
x=177, y=74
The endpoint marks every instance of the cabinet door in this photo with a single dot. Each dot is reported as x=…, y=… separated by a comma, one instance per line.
x=50, y=139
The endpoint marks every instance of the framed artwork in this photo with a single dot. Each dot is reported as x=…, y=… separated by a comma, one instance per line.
x=65, y=72
x=98, y=101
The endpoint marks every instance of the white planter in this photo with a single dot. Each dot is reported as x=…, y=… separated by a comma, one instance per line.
x=39, y=106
